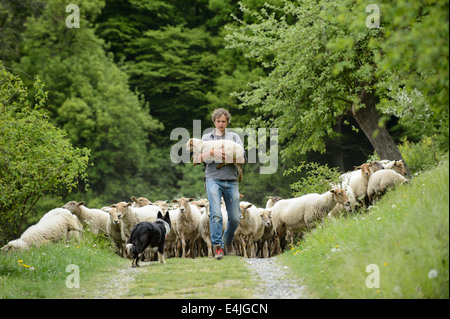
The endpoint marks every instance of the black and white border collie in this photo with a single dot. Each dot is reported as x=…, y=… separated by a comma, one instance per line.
x=152, y=235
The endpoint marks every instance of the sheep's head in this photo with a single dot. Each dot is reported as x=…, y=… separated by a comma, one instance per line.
x=183, y=203
x=399, y=167
x=121, y=208
x=74, y=207
x=365, y=170
x=141, y=201
x=244, y=208
x=340, y=196
x=266, y=217
x=16, y=244
x=114, y=215
x=375, y=166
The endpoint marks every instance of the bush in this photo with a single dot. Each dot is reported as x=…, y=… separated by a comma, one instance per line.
x=318, y=178
x=36, y=158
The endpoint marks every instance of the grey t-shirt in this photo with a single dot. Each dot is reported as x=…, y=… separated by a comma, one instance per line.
x=226, y=172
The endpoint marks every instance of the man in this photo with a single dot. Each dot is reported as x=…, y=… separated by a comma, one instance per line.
x=221, y=183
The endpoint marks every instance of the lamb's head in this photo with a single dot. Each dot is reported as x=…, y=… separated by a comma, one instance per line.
x=340, y=196
x=114, y=215
x=140, y=202
x=183, y=203
x=193, y=145
x=266, y=217
x=74, y=207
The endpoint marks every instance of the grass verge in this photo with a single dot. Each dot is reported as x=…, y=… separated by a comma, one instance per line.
x=42, y=272
x=399, y=249
x=200, y=278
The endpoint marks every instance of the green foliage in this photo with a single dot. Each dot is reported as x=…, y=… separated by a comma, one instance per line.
x=406, y=236
x=90, y=97
x=317, y=178
x=322, y=58
x=421, y=155
x=36, y=157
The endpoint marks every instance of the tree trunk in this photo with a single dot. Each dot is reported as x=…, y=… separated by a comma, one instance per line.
x=367, y=118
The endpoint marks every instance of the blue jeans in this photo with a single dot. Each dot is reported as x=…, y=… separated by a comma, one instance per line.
x=215, y=189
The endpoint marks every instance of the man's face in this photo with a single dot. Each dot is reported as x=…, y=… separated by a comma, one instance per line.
x=221, y=123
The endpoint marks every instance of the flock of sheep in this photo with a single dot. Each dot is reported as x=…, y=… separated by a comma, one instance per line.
x=262, y=232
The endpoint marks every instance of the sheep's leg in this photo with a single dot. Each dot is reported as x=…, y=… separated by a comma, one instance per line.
x=243, y=245
x=183, y=246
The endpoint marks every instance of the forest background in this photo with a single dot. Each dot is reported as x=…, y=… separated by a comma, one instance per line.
x=102, y=99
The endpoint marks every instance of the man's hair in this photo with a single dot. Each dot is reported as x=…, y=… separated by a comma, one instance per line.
x=219, y=112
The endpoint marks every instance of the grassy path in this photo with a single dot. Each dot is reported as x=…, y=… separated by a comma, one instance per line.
x=198, y=278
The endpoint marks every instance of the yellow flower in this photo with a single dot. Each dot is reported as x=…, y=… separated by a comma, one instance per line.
x=77, y=247
x=336, y=246
x=385, y=264
x=378, y=291
x=20, y=261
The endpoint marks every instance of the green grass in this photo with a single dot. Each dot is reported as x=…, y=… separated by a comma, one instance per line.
x=40, y=272
x=406, y=236
x=198, y=278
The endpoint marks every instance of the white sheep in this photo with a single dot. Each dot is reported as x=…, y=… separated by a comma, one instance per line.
x=187, y=224
x=140, y=202
x=271, y=200
x=232, y=150
x=204, y=229
x=297, y=214
x=359, y=183
x=250, y=228
x=265, y=243
x=380, y=181
x=133, y=215
x=339, y=208
x=173, y=244
x=95, y=218
x=113, y=228
x=56, y=225
x=397, y=166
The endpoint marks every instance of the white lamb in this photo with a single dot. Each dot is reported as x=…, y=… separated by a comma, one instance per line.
x=380, y=181
x=96, y=218
x=56, y=225
x=233, y=151
x=297, y=214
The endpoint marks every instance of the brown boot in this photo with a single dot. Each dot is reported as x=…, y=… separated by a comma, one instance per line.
x=229, y=250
